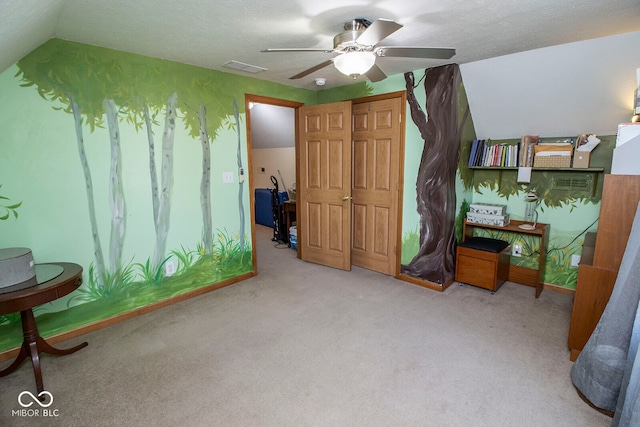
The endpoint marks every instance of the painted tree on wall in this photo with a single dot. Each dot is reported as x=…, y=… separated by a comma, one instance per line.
x=441, y=129
x=93, y=83
x=98, y=93
x=236, y=116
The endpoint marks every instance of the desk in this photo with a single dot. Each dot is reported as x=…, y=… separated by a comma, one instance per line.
x=24, y=300
x=517, y=274
x=289, y=210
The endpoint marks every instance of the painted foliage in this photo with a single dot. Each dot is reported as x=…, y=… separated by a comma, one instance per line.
x=569, y=202
x=158, y=222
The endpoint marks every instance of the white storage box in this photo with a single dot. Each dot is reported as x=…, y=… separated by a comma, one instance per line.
x=489, y=209
x=488, y=219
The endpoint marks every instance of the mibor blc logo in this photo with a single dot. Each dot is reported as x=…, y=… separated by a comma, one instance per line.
x=35, y=406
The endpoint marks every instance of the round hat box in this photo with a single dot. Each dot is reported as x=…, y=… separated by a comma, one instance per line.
x=16, y=266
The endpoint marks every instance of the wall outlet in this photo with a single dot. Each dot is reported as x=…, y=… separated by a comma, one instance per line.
x=516, y=250
x=169, y=268
x=575, y=260
x=227, y=177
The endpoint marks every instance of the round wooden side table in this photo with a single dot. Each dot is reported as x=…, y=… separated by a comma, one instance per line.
x=54, y=281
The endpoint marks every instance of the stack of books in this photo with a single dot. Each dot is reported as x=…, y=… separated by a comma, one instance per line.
x=488, y=214
x=483, y=153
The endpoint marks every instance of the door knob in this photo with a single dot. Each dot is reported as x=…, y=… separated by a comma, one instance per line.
x=345, y=198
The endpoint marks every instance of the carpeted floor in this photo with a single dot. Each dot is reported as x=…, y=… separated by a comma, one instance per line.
x=305, y=345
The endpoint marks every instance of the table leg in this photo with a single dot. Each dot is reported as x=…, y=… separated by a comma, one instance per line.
x=32, y=346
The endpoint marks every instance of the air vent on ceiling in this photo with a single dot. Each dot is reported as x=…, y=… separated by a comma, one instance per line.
x=237, y=65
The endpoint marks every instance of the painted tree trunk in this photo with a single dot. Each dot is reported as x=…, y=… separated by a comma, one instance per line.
x=116, y=193
x=152, y=164
x=164, y=208
x=435, y=186
x=88, y=183
x=205, y=183
x=240, y=176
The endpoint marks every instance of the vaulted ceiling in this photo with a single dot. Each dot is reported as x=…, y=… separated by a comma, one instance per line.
x=209, y=33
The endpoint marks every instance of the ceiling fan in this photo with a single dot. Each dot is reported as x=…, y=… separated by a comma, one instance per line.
x=358, y=50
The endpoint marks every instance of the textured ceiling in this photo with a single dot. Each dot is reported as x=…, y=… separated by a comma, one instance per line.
x=208, y=33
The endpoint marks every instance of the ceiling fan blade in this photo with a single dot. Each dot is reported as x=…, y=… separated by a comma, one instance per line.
x=378, y=30
x=415, y=52
x=297, y=49
x=375, y=74
x=312, y=70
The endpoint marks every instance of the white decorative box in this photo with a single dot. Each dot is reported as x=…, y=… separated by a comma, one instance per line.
x=488, y=219
x=488, y=209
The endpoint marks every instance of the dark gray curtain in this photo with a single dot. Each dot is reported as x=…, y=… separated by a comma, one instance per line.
x=607, y=371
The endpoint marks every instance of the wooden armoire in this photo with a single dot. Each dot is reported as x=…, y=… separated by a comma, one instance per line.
x=601, y=257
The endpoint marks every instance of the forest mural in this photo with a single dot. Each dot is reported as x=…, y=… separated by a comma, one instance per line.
x=569, y=203
x=569, y=200
x=138, y=146
x=114, y=161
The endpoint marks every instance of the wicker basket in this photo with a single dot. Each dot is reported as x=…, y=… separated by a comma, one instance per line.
x=552, y=162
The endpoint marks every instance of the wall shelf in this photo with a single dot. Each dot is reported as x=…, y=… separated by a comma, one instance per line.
x=497, y=168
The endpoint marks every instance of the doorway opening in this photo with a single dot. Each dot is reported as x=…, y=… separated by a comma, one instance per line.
x=372, y=233
x=271, y=146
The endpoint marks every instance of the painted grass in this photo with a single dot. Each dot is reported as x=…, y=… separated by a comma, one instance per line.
x=136, y=290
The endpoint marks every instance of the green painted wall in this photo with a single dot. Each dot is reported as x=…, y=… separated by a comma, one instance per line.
x=44, y=203
x=571, y=212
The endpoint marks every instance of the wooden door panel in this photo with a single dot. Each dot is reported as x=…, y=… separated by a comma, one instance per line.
x=336, y=120
x=375, y=172
x=325, y=178
x=384, y=119
x=382, y=165
x=359, y=228
x=336, y=231
x=313, y=162
x=382, y=224
x=312, y=123
x=359, y=160
x=335, y=164
x=313, y=227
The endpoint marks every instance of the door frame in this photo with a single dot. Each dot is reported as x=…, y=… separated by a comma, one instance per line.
x=259, y=99
x=249, y=98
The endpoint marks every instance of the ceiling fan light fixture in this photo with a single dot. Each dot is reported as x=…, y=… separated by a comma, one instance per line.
x=354, y=64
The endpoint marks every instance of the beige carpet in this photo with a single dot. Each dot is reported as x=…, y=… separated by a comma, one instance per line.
x=304, y=345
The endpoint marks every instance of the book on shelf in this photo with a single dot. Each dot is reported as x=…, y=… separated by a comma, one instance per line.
x=478, y=157
x=527, y=147
x=472, y=152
